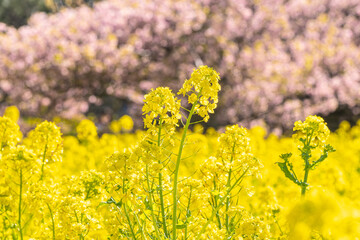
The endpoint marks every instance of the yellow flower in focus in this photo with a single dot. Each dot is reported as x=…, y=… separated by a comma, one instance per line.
x=161, y=107
x=315, y=127
x=235, y=150
x=202, y=89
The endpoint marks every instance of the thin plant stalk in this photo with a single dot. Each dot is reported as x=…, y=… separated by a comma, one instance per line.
x=228, y=199
x=220, y=205
x=20, y=199
x=307, y=164
x=151, y=204
x=187, y=214
x=43, y=161
x=129, y=222
x=176, y=172
x=52, y=221
x=161, y=188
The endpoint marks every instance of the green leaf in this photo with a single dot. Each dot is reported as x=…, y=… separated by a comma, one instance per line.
x=327, y=149
x=180, y=226
x=275, y=211
x=288, y=174
x=111, y=201
x=188, y=213
x=285, y=156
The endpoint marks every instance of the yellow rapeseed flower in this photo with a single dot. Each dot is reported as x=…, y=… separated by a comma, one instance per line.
x=10, y=133
x=235, y=151
x=86, y=130
x=19, y=157
x=202, y=89
x=313, y=126
x=124, y=123
x=161, y=107
x=46, y=142
x=12, y=112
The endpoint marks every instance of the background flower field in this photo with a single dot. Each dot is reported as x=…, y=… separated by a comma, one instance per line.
x=75, y=198
x=113, y=126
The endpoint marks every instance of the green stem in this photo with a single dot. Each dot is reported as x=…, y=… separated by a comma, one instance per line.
x=187, y=214
x=154, y=220
x=228, y=204
x=52, y=220
x=228, y=184
x=78, y=221
x=20, y=198
x=307, y=164
x=303, y=187
x=176, y=173
x=220, y=205
x=216, y=197
x=3, y=143
x=140, y=226
x=161, y=188
x=43, y=162
x=277, y=223
x=129, y=222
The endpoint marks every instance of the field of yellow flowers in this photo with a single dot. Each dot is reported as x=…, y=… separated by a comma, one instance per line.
x=175, y=181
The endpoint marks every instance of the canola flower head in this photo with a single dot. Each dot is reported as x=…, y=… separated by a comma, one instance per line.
x=91, y=182
x=118, y=160
x=313, y=126
x=46, y=141
x=235, y=141
x=19, y=157
x=124, y=123
x=202, y=89
x=12, y=112
x=235, y=150
x=235, y=137
x=10, y=133
x=161, y=107
x=115, y=126
x=86, y=130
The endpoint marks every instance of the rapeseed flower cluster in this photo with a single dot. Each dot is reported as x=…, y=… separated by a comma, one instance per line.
x=12, y=112
x=314, y=128
x=235, y=151
x=46, y=142
x=125, y=123
x=161, y=107
x=121, y=186
x=310, y=137
x=86, y=130
x=202, y=90
x=19, y=158
x=10, y=133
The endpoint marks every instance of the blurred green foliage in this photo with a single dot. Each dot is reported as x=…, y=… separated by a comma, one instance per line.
x=55, y=5
x=16, y=12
